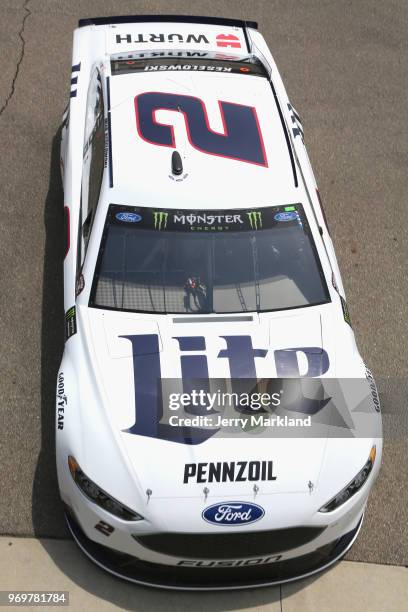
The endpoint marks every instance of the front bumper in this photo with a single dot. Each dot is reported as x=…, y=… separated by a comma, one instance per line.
x=216, y=577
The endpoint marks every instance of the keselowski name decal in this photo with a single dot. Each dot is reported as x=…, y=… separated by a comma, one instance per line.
x=229, y=471
x=186, y=68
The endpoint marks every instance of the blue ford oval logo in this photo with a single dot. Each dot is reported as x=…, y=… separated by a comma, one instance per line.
x=128, y=217
x=286, y=216
x=233, y=513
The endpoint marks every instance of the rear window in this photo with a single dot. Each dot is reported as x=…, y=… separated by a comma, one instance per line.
x=249, y=65
x=195, y=261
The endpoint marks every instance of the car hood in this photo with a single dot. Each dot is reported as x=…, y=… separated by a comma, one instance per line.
x=127, y=351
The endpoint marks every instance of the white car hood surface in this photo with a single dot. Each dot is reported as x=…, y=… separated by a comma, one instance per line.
x=158, y=463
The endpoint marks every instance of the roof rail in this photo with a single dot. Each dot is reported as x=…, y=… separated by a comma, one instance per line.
x=166, y=18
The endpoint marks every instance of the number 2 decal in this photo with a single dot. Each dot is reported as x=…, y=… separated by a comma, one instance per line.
x=241, y=139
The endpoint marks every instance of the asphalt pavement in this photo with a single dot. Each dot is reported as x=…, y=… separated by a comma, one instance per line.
x=345, y=66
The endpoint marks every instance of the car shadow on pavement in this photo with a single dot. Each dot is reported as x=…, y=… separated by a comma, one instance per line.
x=47, y=509
x=47, y=513
x=91, y=581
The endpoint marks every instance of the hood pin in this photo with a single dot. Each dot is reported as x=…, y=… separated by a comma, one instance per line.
x=311, y=486
x=255, y=489
x=206, y=491
x=148, y=493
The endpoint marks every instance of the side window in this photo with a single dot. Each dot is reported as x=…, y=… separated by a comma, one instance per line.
x=93, y=164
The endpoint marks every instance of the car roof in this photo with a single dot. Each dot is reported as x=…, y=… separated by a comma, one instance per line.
x=141, y=169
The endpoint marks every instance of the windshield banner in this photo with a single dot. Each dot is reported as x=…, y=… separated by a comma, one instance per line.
x=205, y=220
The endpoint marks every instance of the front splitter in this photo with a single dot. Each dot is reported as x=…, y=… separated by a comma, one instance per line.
x=156, y=575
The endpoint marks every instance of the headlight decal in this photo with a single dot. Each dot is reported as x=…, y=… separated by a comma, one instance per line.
x=98, y=496
x=353, y=486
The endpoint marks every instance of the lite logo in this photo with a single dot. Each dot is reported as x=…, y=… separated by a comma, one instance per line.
x=241, y=356
x=240, y=140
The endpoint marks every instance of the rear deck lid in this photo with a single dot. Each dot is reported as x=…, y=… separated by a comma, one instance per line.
x=127, y=38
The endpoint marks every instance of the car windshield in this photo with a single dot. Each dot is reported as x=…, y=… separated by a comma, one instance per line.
x=218, y=261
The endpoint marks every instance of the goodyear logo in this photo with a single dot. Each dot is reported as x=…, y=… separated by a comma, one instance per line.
x=255, y=219
x=160, y=220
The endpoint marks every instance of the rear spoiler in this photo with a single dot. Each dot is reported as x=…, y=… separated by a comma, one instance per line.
x=166, y=18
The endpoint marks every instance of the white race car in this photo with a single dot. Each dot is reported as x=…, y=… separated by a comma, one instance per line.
x=198, y=260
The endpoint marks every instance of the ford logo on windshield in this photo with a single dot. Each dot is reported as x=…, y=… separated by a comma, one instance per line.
x=233, y=513
x=286, y=216
x=128, y=217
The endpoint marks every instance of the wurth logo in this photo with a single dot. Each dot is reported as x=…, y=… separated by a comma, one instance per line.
x=160, y=220
x=255, y=219
x=162, y=38
x=228, y=40
x=222, y=40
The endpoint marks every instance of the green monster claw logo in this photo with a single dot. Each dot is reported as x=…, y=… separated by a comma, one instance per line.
x=255, y=218
x=160, y=220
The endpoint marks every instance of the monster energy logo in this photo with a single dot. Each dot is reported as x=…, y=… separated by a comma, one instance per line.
x=160, y=220
x=255, y=218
